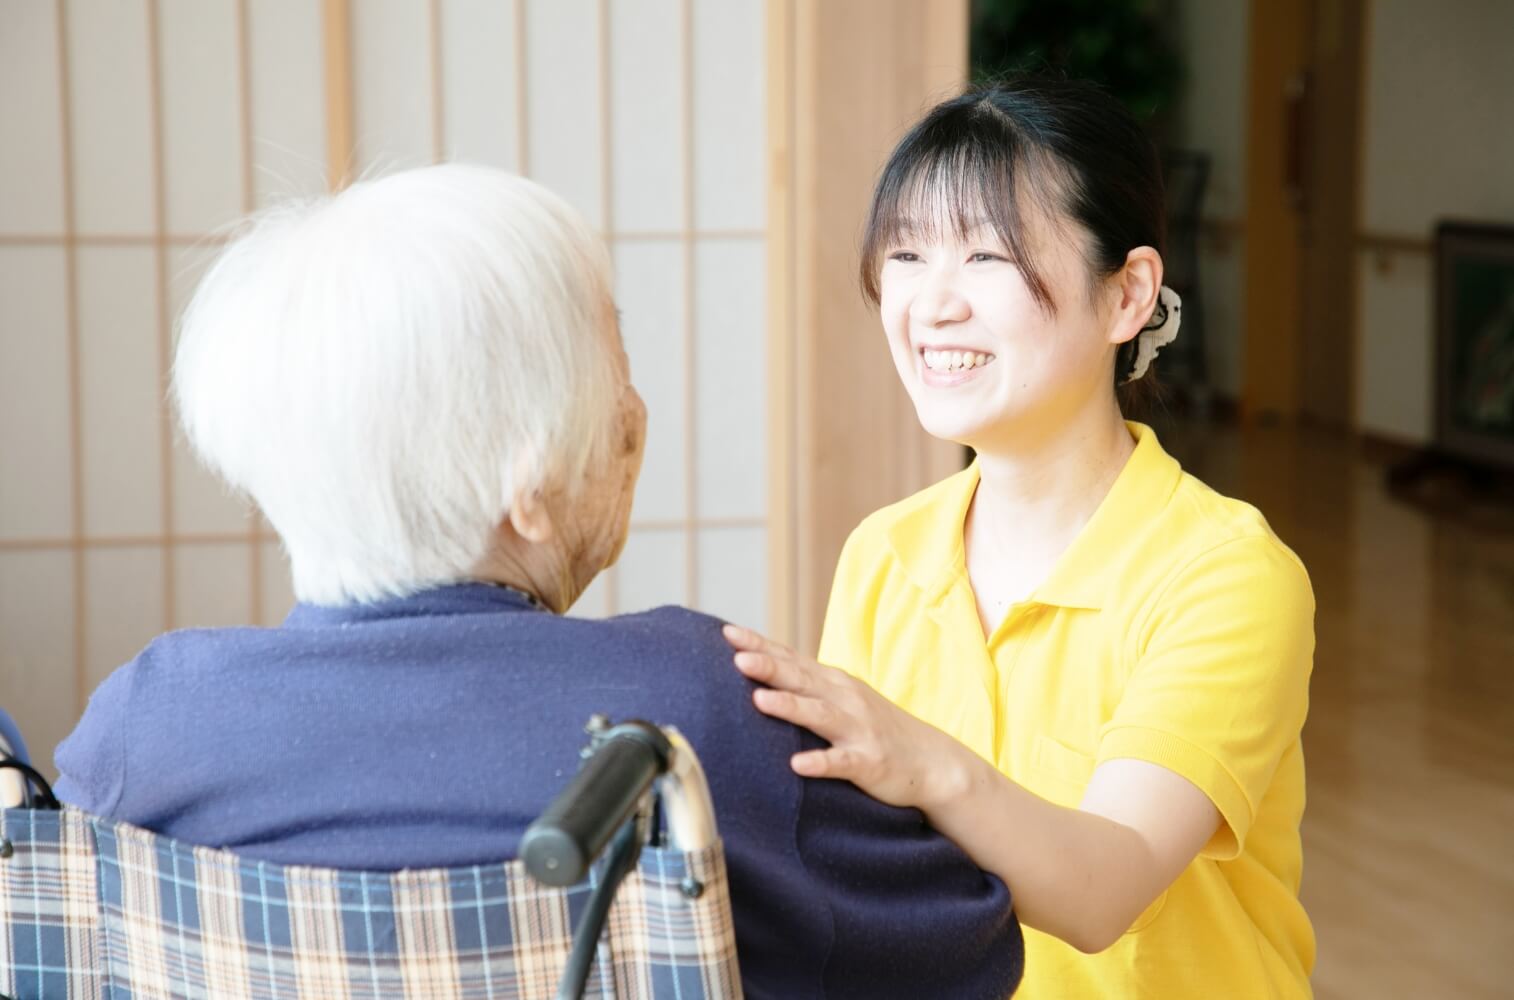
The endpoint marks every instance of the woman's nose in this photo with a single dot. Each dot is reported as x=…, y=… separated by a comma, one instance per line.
x=938, y=301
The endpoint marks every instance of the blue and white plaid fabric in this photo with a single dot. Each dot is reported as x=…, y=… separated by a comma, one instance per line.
x=90, y=908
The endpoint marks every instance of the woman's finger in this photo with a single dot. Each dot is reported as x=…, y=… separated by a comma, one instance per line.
x=756, y=666
x=787, y=673
x=831, y=762
x=747, y=639
x=819, y=717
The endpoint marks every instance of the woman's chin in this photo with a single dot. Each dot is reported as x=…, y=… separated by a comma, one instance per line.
x=955, y=427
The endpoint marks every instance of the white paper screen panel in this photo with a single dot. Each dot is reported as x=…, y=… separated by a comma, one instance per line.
x=133, y=131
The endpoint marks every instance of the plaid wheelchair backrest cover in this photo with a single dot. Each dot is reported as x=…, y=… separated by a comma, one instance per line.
x=91, y=908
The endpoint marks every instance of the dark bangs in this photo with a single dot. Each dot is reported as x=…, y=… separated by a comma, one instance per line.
x=966, y=166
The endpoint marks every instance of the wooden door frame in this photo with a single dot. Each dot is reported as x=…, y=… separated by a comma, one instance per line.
x=1278, y=54
x=1281, y=40
x=845, y=78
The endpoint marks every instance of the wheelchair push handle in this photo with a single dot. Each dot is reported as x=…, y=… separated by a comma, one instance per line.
x=621, y=764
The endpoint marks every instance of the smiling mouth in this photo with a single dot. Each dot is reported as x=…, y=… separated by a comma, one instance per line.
x=955, y=361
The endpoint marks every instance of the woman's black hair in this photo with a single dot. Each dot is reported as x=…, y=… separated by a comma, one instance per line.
x=1064, y=150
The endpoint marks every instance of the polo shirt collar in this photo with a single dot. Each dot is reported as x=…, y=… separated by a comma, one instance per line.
x=928, y=539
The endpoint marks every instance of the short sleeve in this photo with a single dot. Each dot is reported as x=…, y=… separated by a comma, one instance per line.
x=92, y=759
x=1220, y=685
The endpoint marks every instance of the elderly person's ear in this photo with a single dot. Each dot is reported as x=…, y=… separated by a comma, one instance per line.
x=530, y=518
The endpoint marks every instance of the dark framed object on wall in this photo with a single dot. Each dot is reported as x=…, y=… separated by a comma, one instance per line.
x=1474, y=342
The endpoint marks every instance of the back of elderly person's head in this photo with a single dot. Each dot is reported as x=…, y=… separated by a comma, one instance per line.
x=384, y=370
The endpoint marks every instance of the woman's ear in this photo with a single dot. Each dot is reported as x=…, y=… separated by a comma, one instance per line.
x=1138, y=285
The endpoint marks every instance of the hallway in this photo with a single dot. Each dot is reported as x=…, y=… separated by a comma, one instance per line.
x=1408, y=873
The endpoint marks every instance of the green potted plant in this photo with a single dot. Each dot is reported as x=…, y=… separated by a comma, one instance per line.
x=1122, y=44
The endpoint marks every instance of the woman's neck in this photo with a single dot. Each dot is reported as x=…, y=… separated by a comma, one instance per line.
x=1056, y=481
x=1031, y=503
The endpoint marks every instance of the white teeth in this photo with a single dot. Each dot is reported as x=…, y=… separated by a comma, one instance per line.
x=948, y=361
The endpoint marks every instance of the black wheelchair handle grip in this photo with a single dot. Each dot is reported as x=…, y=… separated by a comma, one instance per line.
x=563, y=843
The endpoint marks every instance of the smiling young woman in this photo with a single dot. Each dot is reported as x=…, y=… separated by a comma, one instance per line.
x=1084, y=665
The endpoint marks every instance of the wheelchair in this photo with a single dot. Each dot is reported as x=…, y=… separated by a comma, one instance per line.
x=620, y=891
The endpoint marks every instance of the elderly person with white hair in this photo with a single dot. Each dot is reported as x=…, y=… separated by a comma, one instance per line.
x=420, y=382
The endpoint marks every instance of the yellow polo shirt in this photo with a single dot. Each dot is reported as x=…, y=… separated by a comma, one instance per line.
x=1176, y=629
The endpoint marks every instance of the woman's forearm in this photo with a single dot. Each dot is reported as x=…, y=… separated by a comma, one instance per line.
x=1081, y=877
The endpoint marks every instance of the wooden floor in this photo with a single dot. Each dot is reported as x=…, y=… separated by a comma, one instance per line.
x=1409, y=831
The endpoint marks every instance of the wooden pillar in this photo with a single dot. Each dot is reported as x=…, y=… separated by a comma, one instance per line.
x=846, y=78
x=1331, y=215
x=1275, y=164
x=336, y=28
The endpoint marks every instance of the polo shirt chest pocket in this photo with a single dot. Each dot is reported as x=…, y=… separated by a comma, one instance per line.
x=1064, y=774
x=1060, y=688
x=1061, y=772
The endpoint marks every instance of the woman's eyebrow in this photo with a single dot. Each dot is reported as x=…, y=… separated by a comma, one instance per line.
x=911, y=227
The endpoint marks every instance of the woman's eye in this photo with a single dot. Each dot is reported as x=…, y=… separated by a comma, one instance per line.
x=904, y=256
x=982, y=257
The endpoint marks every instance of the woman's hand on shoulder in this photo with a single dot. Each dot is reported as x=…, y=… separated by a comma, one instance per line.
x=879, y=747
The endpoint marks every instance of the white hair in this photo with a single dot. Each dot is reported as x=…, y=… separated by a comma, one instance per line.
x=384, y=369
